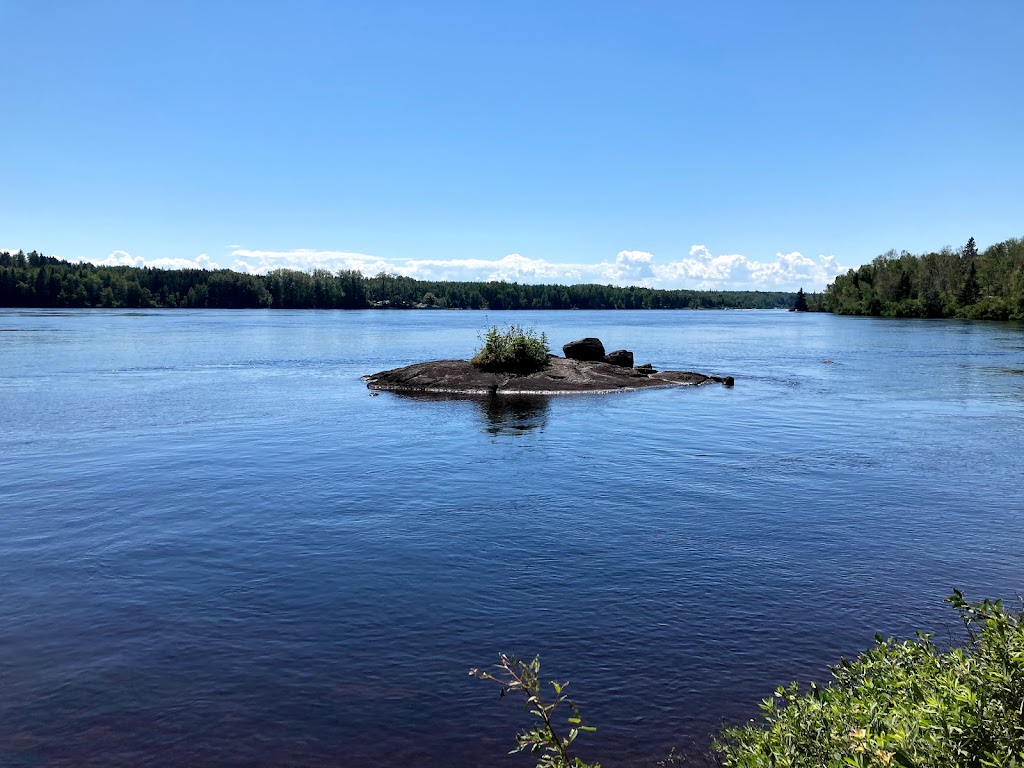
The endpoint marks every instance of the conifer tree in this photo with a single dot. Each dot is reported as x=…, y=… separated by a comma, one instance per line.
x=969, y=292
x=969, y=254
x=801, y=301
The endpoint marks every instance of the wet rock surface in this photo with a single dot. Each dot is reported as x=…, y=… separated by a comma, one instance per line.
x=562, y=375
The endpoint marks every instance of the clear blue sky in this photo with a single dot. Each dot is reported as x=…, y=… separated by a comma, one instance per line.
x=441, y=137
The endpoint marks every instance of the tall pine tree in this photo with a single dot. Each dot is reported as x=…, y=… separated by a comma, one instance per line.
x=801, y=301
x=969, y=291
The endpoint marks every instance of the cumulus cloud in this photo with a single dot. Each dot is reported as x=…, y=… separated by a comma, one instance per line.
x=125, y=259
x=786, y=271
x=699, y=269
x=306, y=259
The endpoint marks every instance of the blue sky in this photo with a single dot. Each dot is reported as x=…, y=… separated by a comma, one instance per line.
x=733, y=144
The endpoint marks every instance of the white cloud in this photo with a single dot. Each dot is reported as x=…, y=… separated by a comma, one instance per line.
x=787, y=271
x=305, y=259
x=125, y=259
x=121, y=259
x=202, y=261
x=699, y=269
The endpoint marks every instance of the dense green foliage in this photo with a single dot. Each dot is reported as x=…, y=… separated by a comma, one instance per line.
x=405, y=291
x=901, y=704
x=514, y=350
x=905, y=704
x=961, y=283
x=33, y=280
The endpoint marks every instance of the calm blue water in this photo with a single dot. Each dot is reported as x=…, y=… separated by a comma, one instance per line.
x=217, y=549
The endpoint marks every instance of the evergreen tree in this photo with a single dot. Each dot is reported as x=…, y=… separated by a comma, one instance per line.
x=969, y=253
x=969, y=292
x=801, y=301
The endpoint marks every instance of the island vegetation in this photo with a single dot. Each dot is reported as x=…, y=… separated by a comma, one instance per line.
x=901, y=704
x=34, y=280
x=987, y=285
x=513, y=350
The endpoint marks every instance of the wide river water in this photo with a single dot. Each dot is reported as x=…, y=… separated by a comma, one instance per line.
x=218, y=549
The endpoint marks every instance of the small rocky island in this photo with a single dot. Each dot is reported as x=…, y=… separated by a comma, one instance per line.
x=585, y=368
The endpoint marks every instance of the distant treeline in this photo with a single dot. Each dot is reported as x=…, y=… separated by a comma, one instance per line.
x=33, y=280
x=950, y=283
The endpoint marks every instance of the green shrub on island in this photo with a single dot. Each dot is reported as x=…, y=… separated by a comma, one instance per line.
x=513, y=350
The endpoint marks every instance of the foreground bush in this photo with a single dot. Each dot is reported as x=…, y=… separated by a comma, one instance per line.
x=902, y=704
x=898, y=705
x=514, y=350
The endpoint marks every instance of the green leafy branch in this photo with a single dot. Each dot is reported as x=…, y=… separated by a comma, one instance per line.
x=517, y=676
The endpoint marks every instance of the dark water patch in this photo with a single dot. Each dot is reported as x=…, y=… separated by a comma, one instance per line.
x=997, y=369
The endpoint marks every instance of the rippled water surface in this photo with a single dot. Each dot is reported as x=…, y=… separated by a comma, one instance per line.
x=217, y=549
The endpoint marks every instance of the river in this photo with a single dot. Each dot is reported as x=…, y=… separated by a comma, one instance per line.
x=218, y=549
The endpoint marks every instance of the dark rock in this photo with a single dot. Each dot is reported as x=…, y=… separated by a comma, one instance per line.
x=690, y=378
x=585, y=349
x=647, y=369
x=561, y=375
x=728, y=381
x=622, y=357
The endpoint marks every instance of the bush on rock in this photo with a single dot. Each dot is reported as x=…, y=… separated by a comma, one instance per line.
x=513, y=350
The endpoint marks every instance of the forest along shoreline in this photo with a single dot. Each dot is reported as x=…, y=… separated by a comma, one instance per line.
x=963, y=283
x=34, y=280
x=949, y=283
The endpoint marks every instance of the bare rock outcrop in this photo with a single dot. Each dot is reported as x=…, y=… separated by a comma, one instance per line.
x=584, y=349
x=560, y=376
x=620, y=357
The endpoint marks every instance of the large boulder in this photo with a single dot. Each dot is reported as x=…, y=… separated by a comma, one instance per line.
x=584, y=349
x=621, y=357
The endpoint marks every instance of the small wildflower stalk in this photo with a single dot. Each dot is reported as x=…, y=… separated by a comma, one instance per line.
x=523, y=677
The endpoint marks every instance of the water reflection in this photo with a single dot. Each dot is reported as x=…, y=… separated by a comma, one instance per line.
x=501, y=414
x=513, y=415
